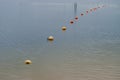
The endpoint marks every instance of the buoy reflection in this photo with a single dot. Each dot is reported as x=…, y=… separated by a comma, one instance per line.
x=75, y=8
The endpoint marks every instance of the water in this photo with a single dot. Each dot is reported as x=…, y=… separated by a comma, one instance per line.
x=88, y=50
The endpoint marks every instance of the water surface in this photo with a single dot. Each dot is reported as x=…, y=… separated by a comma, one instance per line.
x=88, y=50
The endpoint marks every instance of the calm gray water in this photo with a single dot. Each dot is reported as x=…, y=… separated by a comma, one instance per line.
x=88, y=50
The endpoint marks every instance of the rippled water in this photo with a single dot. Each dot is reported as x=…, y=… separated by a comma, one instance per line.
x=88, y=50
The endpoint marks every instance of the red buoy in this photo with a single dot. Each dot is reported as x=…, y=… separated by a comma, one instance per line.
x=94, y=9
x=76, y=17
x=82, y=14
x=71, y=22
x=98, y=7
x=90, y=9
x=86, y=11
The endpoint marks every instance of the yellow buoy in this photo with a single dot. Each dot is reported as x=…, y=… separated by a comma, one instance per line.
x=64, y=28
x=50, y=38
x=28, y=61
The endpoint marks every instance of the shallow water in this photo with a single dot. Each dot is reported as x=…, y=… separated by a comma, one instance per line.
x=88, y=50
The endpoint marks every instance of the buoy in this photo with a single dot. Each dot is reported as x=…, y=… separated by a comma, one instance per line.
x=64, y=28
x=103, y=6
x=82, y=14
x=28, y=61
x=71, y=22
x=76, y=17
x=94, y=9
x=86, y=11
x=90, y=9
x=50, y=38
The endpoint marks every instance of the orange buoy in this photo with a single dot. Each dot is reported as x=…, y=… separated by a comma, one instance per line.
x=82, y=14
x=76, y=17
x=71, y=22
